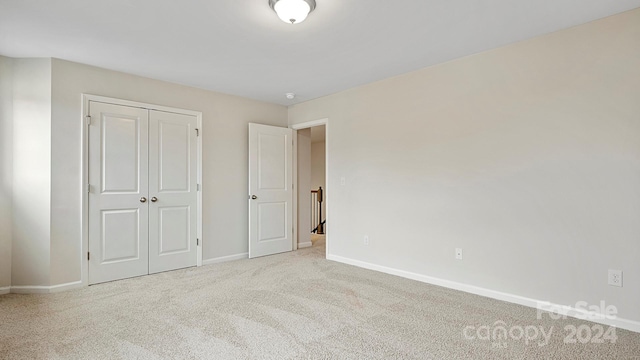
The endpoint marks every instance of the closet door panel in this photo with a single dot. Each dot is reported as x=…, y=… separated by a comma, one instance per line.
x=172, y=188
x=118, y=178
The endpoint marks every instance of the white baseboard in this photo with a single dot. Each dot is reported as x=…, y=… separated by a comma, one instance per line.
x=626, y=324
x=225, y=259
x=5, y=290
x=30, y=289
x=305, y=245
x=65, y=287
x=37, y=289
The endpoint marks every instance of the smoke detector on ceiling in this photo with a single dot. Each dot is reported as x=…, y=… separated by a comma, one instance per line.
x=290, y=96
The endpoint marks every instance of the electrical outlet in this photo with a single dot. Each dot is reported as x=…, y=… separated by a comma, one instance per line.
x=615, y=277
x=459, y=253
x=366, y=240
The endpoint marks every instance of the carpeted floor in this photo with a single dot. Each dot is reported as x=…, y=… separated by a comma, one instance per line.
x=289, y=306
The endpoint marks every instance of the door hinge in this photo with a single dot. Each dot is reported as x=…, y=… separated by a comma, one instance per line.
x=88, y=120
x=88, y=188
x=197, y=187
x=197, y=242
x=197, y=132
x=88, y=256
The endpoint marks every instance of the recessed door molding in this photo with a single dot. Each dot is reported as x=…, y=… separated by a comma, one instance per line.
x=296, y=127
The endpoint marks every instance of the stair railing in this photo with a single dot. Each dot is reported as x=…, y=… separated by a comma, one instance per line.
x=317, y=224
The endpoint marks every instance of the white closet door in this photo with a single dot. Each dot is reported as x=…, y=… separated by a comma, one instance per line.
x=118, y=204
x=172, y=191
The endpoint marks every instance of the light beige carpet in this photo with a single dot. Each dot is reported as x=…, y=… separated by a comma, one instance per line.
x=290, y=306
x=317, y=240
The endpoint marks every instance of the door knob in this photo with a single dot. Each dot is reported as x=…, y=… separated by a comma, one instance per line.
x=143, y=199
x=154, y=199
x=253, y=197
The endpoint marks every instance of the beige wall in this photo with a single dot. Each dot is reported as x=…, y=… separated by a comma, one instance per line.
x=225, y=134
x=31, y=117
x=527, y=157
x=42, y=121
x=304, y=184
x=6, y=169
x=318, y=163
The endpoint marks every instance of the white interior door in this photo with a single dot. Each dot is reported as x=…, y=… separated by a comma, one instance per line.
x=118, y=204
x=172, y=191
x=143, y=210
x=270, y=190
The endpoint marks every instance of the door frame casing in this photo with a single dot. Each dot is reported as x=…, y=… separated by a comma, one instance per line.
x=86, y=99
x=296, y=127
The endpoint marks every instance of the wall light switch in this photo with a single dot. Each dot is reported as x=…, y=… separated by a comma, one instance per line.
x=343, y=181
x=458, y=253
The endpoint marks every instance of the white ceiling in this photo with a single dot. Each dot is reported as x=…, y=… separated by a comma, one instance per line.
x=241, y=47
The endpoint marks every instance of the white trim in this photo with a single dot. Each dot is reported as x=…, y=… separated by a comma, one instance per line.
x=305, y=245
x=30, y=289
x=222, y=259
x=38, y=289
x=199, y=192
x=305, y=125
x=136, y=104
x=5, y=290
x=86, y=98
x=64, y=287
x=626, y=324
x=309, y=124
x=84, y=199
x=327, y=213
x=294, y=195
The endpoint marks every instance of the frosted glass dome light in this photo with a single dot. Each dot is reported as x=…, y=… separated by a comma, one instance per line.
x=292, y=11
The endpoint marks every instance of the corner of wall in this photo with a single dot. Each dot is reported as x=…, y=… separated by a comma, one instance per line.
x=6, y=171
x=66, y=180
x=31, y=173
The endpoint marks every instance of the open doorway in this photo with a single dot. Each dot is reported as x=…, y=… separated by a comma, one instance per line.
x=311, y=177
x=318, y=189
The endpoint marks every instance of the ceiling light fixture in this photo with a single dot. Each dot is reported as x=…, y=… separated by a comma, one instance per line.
x=292, y=11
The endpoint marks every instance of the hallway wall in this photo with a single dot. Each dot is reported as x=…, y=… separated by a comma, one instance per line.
x=304, y=184
x=318, y=163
